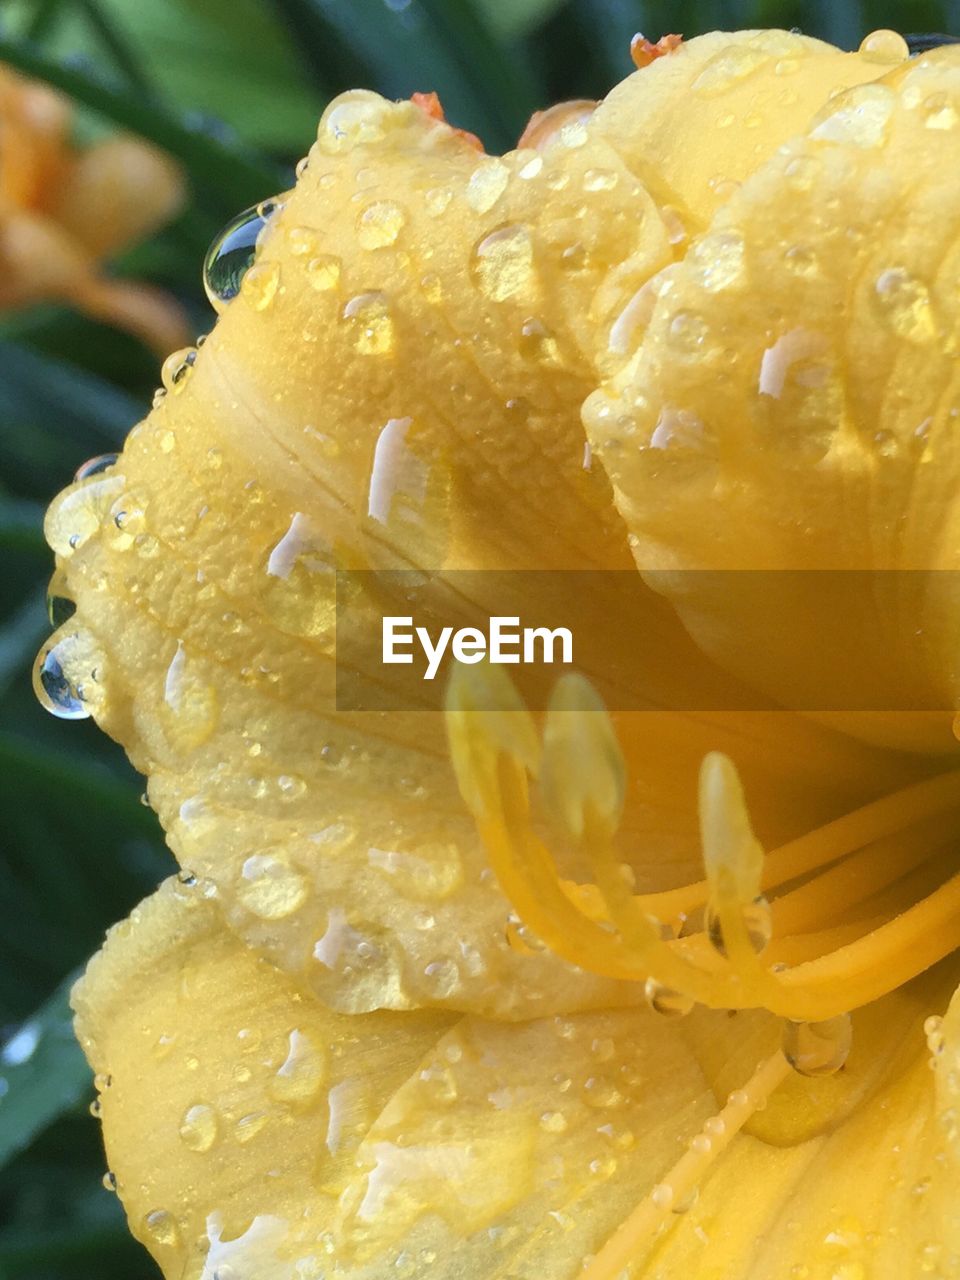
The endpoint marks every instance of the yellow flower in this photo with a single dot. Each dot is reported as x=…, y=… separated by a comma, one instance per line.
x=329, y=1048
x=63, y=210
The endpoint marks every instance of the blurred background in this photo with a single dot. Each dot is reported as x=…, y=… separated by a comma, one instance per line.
x=101, y=248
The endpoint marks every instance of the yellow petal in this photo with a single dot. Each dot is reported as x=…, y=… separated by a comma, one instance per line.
x=794, y=400
x=693, y=125
x=393, y=299
x=231, y=1103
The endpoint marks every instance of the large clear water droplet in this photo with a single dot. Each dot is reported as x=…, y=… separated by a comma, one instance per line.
x=55, y=678
x=93, y=466
x=232, y=253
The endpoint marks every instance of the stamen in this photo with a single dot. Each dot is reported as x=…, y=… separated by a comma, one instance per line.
x=818, y=848
x=634, y=1237
x=737, y=918
x=609, y=930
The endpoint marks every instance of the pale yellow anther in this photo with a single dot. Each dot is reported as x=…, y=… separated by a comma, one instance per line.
x=732, y=855
x=486, y=718
x=582, y=776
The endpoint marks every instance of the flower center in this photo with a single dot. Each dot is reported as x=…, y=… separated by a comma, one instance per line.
x=828, y=922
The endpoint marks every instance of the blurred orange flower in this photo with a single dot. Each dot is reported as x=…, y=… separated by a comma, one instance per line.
x=64, y=209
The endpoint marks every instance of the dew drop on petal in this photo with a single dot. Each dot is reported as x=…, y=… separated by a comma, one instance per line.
x=230, y=257
x=487, y=184
x=60, y=607
x=818, y=1048
x=78, y=513
x=367, y=315
x=66, y=676
x=270, y=887
x=860, y=117
x=260, y=284
x=198, y=1127
x=503, y=263
x=176, y=370
x=665, y=1001
x=379, y=224
x=323, y=272
x=757, y=921
x=884, y=47
x=355, y=118
x=160, y=1228
x=905, y=306
x=94, y=466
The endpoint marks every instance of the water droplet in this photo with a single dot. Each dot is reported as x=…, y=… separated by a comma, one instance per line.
x=530, y=168
x=66, y=676
x=441, y=978
x=95, y=1108
x=368, y=317
x=733, y=63
x=248, y=1126
x=161, y=1228
x=602, y=1093
x=198, y=1128
x=176, y=370
x=323, y=272
x=600, y=180
x=379, y=224
x=757, y=921
x=304, y=1069
x=355, y=118
x=436, y=201
x=60, y=608
x=94, y=466
x=687, y=333
x=487, y=184
x=78, y=513
x=553, y=1122
x=431, y=872
x=109, y=1181
x=260, y=283
x=537, y=342
x=716, y=261
x=665, y=1001
x=230, y=257
x=818, y=1048
x=574, y=257
x=860, y=118
x=904, y=303
x=939, y=113
x=301, y=241
x=884, y=47
x=503, y=263
x=662, y=1195
x=270, y=887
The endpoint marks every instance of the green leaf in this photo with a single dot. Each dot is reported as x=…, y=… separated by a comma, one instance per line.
x=407, y=51
x=226, y=59
x=70, y=402
x=44, y=1073
x=511, y=18
x=117, y=47
x=228, y=175
x=21, y=637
